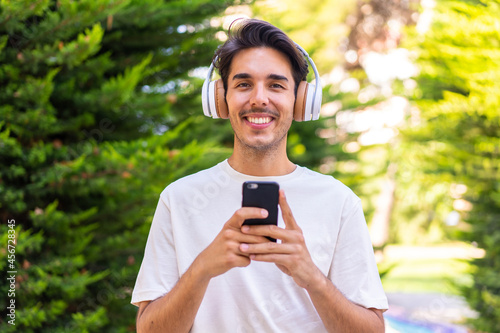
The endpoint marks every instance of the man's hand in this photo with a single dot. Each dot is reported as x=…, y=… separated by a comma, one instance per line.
x=291, y=256
x=224, y=252
x=176, y=310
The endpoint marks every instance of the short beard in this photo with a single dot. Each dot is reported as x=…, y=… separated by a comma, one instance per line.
x=274, y=114
x=260, y=150
x=263, y=149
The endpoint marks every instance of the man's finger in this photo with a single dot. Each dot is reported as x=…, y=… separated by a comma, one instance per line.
x=288, y=218
x=267, y=248
x=245, y=213
x=266, y=230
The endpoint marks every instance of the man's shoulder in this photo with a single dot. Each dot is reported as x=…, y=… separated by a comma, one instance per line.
x=317, y=175
x=320, y=178
x=325, y=184
x=198, y=179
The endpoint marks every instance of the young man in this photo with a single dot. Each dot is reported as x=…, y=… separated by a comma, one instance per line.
x=203, y=271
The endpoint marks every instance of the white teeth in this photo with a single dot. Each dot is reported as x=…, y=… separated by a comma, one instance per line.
x=259, y=120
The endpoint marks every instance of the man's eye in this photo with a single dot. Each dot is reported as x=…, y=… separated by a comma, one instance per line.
x=277, y=86
x=243, y=85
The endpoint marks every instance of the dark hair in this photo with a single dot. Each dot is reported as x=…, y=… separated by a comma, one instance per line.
x=250, y=33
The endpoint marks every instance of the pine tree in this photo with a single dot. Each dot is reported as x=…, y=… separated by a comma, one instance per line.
x=456, y=144
x=97, y=110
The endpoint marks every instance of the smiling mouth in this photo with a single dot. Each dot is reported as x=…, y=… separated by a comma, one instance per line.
x=259, y=120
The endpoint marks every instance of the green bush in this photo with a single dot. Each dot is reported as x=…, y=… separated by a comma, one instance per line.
x=457, y=142
x=95, y=109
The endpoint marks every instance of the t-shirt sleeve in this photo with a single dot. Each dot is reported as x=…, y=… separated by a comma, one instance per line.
x=354, y=270
x=159, y=272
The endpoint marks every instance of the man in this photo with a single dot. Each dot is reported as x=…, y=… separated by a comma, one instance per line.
x=203, y=271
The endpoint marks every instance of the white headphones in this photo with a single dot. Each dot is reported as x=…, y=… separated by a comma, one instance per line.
x=307, y=103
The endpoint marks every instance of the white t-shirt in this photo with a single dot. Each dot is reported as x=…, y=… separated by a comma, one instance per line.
x=259, y=297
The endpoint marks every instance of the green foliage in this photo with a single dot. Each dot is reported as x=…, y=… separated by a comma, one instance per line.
x=317, y=25
x=98, y=113
x=456, y=142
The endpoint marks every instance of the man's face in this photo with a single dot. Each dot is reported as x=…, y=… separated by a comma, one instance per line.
x=260, y=98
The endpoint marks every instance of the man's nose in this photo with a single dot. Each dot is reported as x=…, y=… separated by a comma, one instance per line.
x=259, y=96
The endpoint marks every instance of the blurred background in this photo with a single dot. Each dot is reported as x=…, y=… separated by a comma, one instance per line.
x=100, y=109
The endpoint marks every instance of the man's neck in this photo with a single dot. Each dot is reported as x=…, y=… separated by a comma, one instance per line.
x=261, y=164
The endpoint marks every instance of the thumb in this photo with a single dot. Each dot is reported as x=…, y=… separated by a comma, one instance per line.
x=245, y=213
x=288, y=218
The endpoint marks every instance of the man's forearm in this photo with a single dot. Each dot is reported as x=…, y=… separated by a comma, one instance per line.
x=175, y=311
x=341, y=315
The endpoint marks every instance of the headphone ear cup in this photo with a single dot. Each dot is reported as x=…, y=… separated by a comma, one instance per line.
x=220, y=100
x=300, y=102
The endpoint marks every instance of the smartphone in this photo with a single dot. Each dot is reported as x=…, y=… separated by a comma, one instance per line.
x=263, y=195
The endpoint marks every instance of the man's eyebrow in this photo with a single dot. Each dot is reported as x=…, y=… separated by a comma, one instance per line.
x=270, y=76
x=241, y=76
x=277, y=77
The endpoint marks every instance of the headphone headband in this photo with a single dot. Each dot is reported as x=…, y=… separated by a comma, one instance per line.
x=211, y=98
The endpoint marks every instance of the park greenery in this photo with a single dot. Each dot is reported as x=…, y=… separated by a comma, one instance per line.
x=455, y=149
x=100, y=109
x=98, y=113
